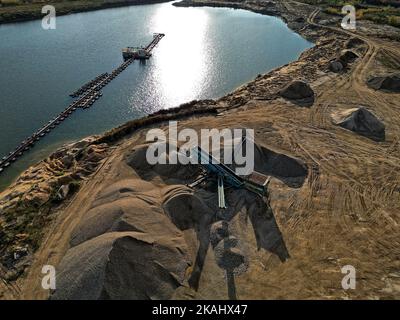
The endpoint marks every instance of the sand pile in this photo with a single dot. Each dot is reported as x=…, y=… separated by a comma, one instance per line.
x=353, y=42
x=290, y=170
x=139, y=235
x=25, y=207
x=297, y=90
x=130, y=248
x=185, y=209
x=259, y=213
x=270, y=162
x=123, y=211
x=170, y=173
x=121, y=265
x=362, y=121
x=347, y=56
x=389, y=83
x=336, y=66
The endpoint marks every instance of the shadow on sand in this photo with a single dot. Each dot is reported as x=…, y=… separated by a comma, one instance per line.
x=232, y=259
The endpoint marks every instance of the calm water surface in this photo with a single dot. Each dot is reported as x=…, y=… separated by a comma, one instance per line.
x=206, y=53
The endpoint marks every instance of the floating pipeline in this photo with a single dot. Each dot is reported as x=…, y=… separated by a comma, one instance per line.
x=89, y=92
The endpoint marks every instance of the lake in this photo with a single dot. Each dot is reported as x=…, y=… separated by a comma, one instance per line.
x=206, y=53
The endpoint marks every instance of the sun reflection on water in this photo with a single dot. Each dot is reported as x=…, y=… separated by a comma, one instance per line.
x=181, y=55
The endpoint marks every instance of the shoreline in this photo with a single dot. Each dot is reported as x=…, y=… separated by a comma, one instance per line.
x=289, y=20
x=297, y=22
x=36, y=14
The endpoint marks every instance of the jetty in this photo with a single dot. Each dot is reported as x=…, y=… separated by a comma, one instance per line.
x=86, y=96
x=88, y=85
x=140, y=52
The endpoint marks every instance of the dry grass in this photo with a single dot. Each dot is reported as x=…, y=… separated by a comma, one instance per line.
x=381, y=15
x=19, y=10
x=377, y=11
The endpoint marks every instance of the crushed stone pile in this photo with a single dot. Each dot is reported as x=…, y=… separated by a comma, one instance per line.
x=361, y=121
x=389, y=83
x=297, y=90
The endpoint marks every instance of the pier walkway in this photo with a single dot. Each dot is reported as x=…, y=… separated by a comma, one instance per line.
x=86, y=96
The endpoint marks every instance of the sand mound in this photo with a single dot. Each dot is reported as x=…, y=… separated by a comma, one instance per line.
x=347, y=56
x=185, y=209
x=362, y=121
x=119, y=265
x=336, y=66
x=132, y=241
x=297, y=90
x=123, y=215
x=169, y=173
x=353, y=42
x=124, y=247
x=121, y=207
x=271, y=162
x=127, y=188
x=290, y=170
x=389, y=83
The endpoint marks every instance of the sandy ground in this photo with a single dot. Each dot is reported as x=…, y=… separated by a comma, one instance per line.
x=345, y=212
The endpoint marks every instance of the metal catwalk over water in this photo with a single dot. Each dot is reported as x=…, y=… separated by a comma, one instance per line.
x=88, y=94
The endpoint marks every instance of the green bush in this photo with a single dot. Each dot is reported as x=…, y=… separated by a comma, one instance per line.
x=10, y=3
x=394, y=21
